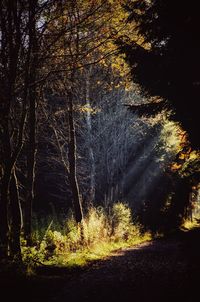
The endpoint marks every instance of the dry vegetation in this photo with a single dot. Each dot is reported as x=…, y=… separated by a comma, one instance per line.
x=75, y=244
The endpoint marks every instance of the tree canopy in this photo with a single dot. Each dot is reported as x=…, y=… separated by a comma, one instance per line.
x=167, y=64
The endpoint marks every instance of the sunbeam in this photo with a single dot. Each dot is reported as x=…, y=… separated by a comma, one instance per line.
x=140, y=162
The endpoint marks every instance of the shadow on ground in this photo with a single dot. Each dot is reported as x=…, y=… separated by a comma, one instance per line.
x=163, y=270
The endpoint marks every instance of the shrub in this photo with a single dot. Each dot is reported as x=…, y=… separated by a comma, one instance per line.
x=98, y=232
x=95, y=226
x=73, y=234
x=122, y=227
x=55, y=243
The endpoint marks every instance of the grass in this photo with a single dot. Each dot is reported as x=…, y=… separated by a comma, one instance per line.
x=100, y=251
x=189, y=225
x=103, y=234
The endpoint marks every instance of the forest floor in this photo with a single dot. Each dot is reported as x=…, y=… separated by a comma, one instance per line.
x=167, y=269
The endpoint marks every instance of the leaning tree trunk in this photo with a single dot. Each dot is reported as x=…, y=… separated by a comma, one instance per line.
x=4, y=225
x=16, y=219
x=7, y=164
x=72, y=162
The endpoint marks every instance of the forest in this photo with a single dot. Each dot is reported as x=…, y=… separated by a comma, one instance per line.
x=99, y=141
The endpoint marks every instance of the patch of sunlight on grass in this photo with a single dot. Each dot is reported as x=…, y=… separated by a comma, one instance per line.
x=100, y=251
x=189, y=225
x=103, y=235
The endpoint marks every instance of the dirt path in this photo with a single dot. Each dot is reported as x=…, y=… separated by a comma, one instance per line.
x=164, y=270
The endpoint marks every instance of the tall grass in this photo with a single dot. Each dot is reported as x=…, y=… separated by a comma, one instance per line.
x=69, y=243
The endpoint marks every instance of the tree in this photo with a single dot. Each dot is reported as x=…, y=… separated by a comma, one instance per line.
x=86, y=40
x=18, y=22
x=167, y=63
x=13, y=90
x=32, y=116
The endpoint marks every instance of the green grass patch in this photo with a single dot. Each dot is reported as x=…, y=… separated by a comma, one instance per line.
x=99, y=235
x=98, y=252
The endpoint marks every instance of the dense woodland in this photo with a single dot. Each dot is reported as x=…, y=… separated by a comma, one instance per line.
x=99, y=109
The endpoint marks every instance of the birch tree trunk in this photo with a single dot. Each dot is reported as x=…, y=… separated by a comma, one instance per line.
x=72, y=162
x=91, y=194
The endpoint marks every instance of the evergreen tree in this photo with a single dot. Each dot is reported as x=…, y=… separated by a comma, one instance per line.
x=167, y=63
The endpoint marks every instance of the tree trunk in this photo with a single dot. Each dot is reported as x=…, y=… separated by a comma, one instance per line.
x=16, y=219
x=31, y=152
x=4, y=226
x=91, y=194
x=180, y=200
x=4, y=202
x=72, y=162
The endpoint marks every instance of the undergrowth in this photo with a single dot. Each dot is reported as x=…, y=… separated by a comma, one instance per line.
x=72, y=244
x=189, y=224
